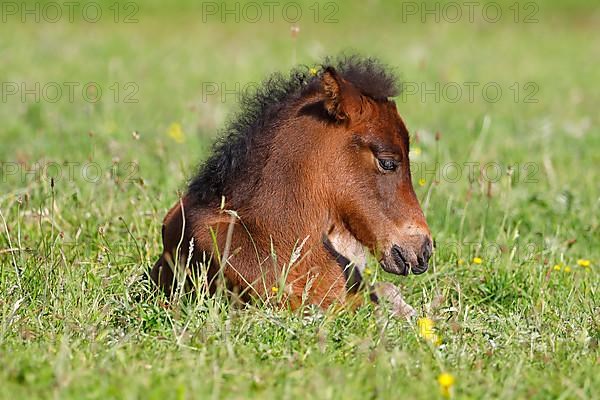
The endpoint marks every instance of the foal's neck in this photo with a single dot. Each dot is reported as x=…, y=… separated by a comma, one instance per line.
x=287, y=196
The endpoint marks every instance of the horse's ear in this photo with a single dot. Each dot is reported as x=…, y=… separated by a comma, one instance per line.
x=342, y=99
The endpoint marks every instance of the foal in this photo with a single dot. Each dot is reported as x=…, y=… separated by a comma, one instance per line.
x=316, y=166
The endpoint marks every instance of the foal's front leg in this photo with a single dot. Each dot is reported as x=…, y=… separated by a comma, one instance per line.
x=389, y=294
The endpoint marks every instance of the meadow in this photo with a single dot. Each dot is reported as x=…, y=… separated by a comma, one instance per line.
x=105, y=118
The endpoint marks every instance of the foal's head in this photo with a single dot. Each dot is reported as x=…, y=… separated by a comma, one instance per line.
x=369, y=175
x=329, y=150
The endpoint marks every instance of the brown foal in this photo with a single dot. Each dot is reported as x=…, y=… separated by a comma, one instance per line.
x=315, y=169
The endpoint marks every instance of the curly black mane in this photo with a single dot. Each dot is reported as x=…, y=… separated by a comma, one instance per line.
x=260, y=110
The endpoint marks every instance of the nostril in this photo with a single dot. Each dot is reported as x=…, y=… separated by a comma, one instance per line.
x=397, y=253
x=426, y=249
x=423, y=258
x=400, y=260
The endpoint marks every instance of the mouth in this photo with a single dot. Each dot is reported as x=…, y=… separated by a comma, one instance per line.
x=402, y=262
x=399, y=261
x=396, y=263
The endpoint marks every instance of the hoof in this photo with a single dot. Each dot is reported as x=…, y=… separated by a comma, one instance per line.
x=391, y=298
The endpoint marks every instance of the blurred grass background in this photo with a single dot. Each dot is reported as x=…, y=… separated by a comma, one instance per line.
x=512, y=328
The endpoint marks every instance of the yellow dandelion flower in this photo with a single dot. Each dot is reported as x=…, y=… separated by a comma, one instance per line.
x=313, y=71
x=460, y=261
x=567, y=269
x=477, y=260
x=368, y=271
x=426, y=327
x=584, y=263
x=422, y=182
x=446, y=381
x=176, y=133
x=274, y=289
x=427, y=331
x=416, y=151
x=557, y=267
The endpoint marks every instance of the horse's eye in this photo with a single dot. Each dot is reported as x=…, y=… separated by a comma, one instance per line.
x=387, y=164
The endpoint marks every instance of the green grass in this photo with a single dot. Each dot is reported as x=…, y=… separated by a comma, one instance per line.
x=72, y=325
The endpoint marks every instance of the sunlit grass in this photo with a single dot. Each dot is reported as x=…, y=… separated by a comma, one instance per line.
x=508, y=310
